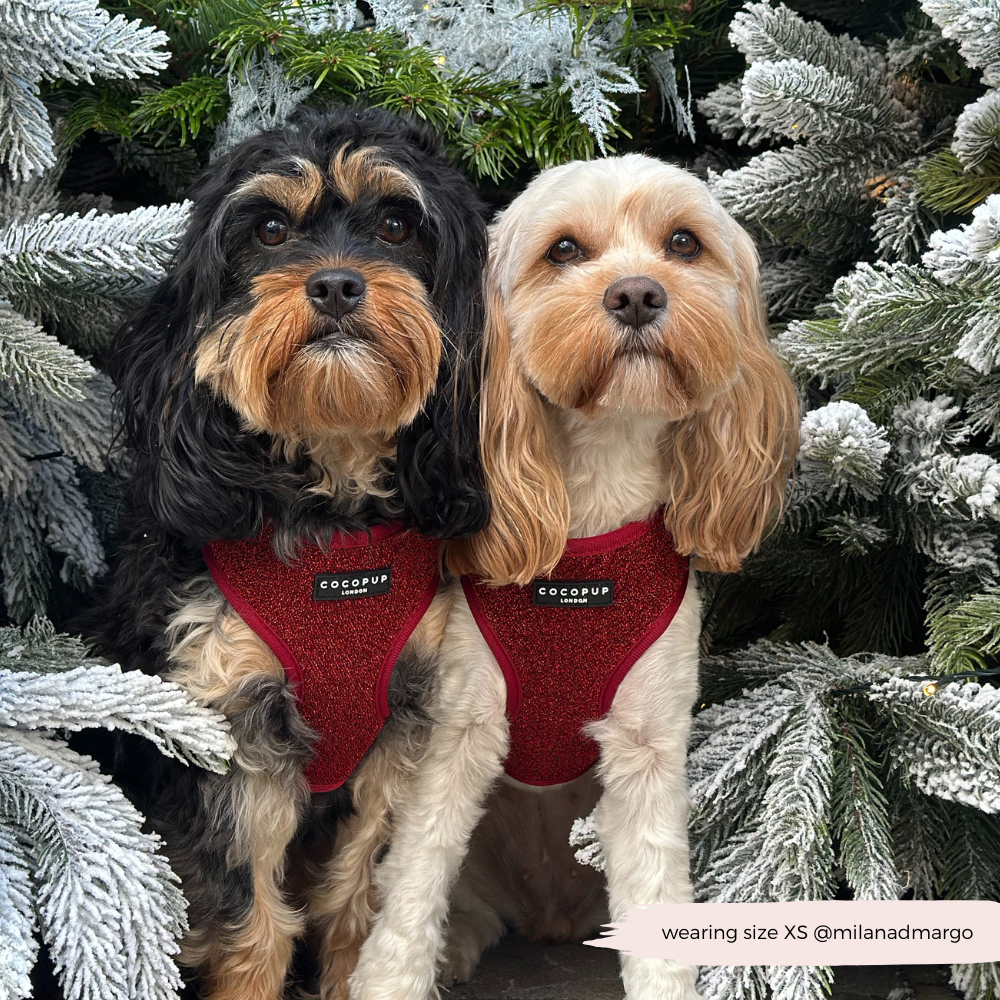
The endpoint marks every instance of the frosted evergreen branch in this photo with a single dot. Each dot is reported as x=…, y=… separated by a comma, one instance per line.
x=18, y=945
x=861, y=816
x=799, y=982
x=108, y=906
x=966, y=485
x=37, y=647
x=723, y=108
x=976, y=981
x=970, y=253
x=51, y=260
x=105, y=697
x=801, y=101
x=69, y=524
x=75, y=39
x=661, y=65
x=24, y=560
x=976, y=28
x=26, y=139
x=923, y=426
x=82, y=428
x=733, y=982
x=885, y=314
x=34, y=363
x=949, y=741
x=583, y=836
x=778, y=189
x=263, y=99
x=902, y=226
x=977, y=130
x=787, y=853
x=769, y=34
x=842, y=448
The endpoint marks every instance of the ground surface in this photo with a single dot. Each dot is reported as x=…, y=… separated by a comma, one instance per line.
x=517, y=970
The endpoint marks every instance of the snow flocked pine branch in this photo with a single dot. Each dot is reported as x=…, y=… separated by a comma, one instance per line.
x=820, y=751
x=844, y=181
x=73, y=40
x=78, y=274
x=76, y=870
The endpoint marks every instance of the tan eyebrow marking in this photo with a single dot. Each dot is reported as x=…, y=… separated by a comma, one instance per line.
x=298, y=195
x=363, y=171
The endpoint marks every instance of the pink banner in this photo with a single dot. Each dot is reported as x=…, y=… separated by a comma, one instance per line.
x=814, y=933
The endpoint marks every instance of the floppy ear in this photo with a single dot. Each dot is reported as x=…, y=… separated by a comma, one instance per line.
x=191, y=458
x=438, y=471
x=527, y=532
x=195, y=471
x=727, y=466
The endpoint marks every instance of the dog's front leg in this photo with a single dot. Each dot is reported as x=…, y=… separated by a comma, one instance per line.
x=643, y=811
x=232, y=859
x=432, y=827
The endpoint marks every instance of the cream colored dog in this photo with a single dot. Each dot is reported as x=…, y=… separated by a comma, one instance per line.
x=627, y=371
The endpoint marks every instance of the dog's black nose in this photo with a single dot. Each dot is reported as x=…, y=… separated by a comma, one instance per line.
x=336, y=292
x=635, y=301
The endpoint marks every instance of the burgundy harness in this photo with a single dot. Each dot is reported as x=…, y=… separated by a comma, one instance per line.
x=565, y=643
x=337, y=619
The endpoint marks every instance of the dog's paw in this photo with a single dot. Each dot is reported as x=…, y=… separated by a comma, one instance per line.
x=459, y=964
x=392, y=968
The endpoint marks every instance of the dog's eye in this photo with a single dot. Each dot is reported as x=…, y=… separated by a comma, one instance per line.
x=394, y=230
x=684, y=244
x=564, y=251
x=272, y=233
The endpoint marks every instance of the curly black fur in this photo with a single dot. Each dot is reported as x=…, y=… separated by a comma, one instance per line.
x=198, y=475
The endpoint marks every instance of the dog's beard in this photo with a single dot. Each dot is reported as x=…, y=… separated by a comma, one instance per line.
x=296, y=374
x=586, y=361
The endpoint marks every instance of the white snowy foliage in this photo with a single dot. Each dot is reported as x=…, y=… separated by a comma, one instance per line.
x=975, y=26
x=75, y=866
x=842, y=447
x=263, y=99
x=958, y=254
x=71, y=40
x=18, y=944
x=583, y=836
x=52, y=261
x=977, y=130
x=923, y=426
x=935, y=741
x=971, y=481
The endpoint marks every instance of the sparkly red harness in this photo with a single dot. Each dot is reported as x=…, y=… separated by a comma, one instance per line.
x=337, y=619
x=566, y=643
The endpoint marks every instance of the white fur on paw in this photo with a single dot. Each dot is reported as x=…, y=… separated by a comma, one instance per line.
x=391, y=968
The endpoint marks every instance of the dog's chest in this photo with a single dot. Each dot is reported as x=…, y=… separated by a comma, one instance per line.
x=337, y=618
x=565, y=643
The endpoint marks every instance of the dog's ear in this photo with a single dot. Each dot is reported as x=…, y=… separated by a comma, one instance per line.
x=728, y=464
x=193, y=464
x=438, y=470
x=191, y=459
x=527, y=532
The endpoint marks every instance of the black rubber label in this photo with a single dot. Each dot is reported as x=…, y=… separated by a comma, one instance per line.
x=351, y=586
x=573, y=593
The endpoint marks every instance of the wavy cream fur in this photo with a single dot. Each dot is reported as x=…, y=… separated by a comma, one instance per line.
x=580, y=438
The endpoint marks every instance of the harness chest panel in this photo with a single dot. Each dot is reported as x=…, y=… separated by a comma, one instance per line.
x=337, y=618
x=566, y=643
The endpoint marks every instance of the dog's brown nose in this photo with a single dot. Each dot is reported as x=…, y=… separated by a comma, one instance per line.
x=336, y=292
x=635, y=301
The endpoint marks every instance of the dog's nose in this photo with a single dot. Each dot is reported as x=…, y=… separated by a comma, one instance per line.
x=635, y=301
x=336, y=292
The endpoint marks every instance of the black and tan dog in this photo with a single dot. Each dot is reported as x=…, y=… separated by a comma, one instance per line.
x=299, y=386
